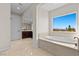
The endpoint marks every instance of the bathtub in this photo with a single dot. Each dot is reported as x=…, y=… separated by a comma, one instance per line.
x=59, y=45
x=69, y=40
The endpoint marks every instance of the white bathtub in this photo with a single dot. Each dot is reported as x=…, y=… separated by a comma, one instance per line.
x=58, y=48
x=69, y=40
x=62, y=40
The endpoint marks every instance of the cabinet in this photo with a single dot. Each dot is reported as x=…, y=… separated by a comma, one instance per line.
x=27, y=34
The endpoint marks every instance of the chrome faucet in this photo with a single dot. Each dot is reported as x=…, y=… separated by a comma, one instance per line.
x=76, y=37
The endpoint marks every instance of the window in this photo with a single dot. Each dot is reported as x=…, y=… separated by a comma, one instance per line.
x=66, y=23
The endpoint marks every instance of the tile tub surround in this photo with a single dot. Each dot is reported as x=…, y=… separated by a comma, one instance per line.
x=24, y=48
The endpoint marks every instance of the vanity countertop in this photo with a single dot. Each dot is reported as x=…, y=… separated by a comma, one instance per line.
x=26, y=30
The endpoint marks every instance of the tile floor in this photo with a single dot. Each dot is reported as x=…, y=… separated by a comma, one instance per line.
x=24, y=48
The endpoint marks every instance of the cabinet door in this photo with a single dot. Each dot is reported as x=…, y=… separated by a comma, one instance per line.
x=27, y=34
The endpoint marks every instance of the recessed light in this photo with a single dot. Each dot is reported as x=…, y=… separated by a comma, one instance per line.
x=18, y=8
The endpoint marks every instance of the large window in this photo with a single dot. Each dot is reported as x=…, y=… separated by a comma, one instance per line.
x=65, y=23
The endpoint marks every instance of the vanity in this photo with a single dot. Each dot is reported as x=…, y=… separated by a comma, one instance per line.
x=27, y=34
x=27, y=31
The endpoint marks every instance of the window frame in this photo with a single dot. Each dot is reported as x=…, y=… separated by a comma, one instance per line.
x=50, y=26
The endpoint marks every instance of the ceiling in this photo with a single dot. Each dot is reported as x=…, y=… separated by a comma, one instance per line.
x=51, y=6
x=19, y=7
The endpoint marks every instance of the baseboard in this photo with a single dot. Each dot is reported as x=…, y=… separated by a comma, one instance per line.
x=15, y=39
x=4, y=49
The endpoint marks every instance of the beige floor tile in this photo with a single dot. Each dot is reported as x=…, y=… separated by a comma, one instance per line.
x=24, y=48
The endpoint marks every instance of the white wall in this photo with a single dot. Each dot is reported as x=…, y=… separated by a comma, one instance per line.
x=78, y=18
x=26, y=26
x=4, y=26
x=78, y=26
x=43, y=21
x=27, y=18
x=15, y=27
x=40, y=23
x=63, y=10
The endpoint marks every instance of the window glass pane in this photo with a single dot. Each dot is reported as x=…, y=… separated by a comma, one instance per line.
x=64, y=23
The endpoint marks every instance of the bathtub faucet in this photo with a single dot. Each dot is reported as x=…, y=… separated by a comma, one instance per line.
x=76, y=37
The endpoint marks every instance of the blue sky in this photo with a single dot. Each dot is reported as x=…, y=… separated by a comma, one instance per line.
x=62, y=22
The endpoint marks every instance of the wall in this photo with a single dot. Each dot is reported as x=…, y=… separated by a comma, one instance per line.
x=15, y=27
x=4, y=26
x=27, y=18
x=63, y=10
x=40, y=23
x=43, y=21
x=78, y=27
x=78, y=18
x=26, y=26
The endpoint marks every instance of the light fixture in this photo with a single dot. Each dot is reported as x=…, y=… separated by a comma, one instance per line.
x=18, y=8
x=20, y=5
